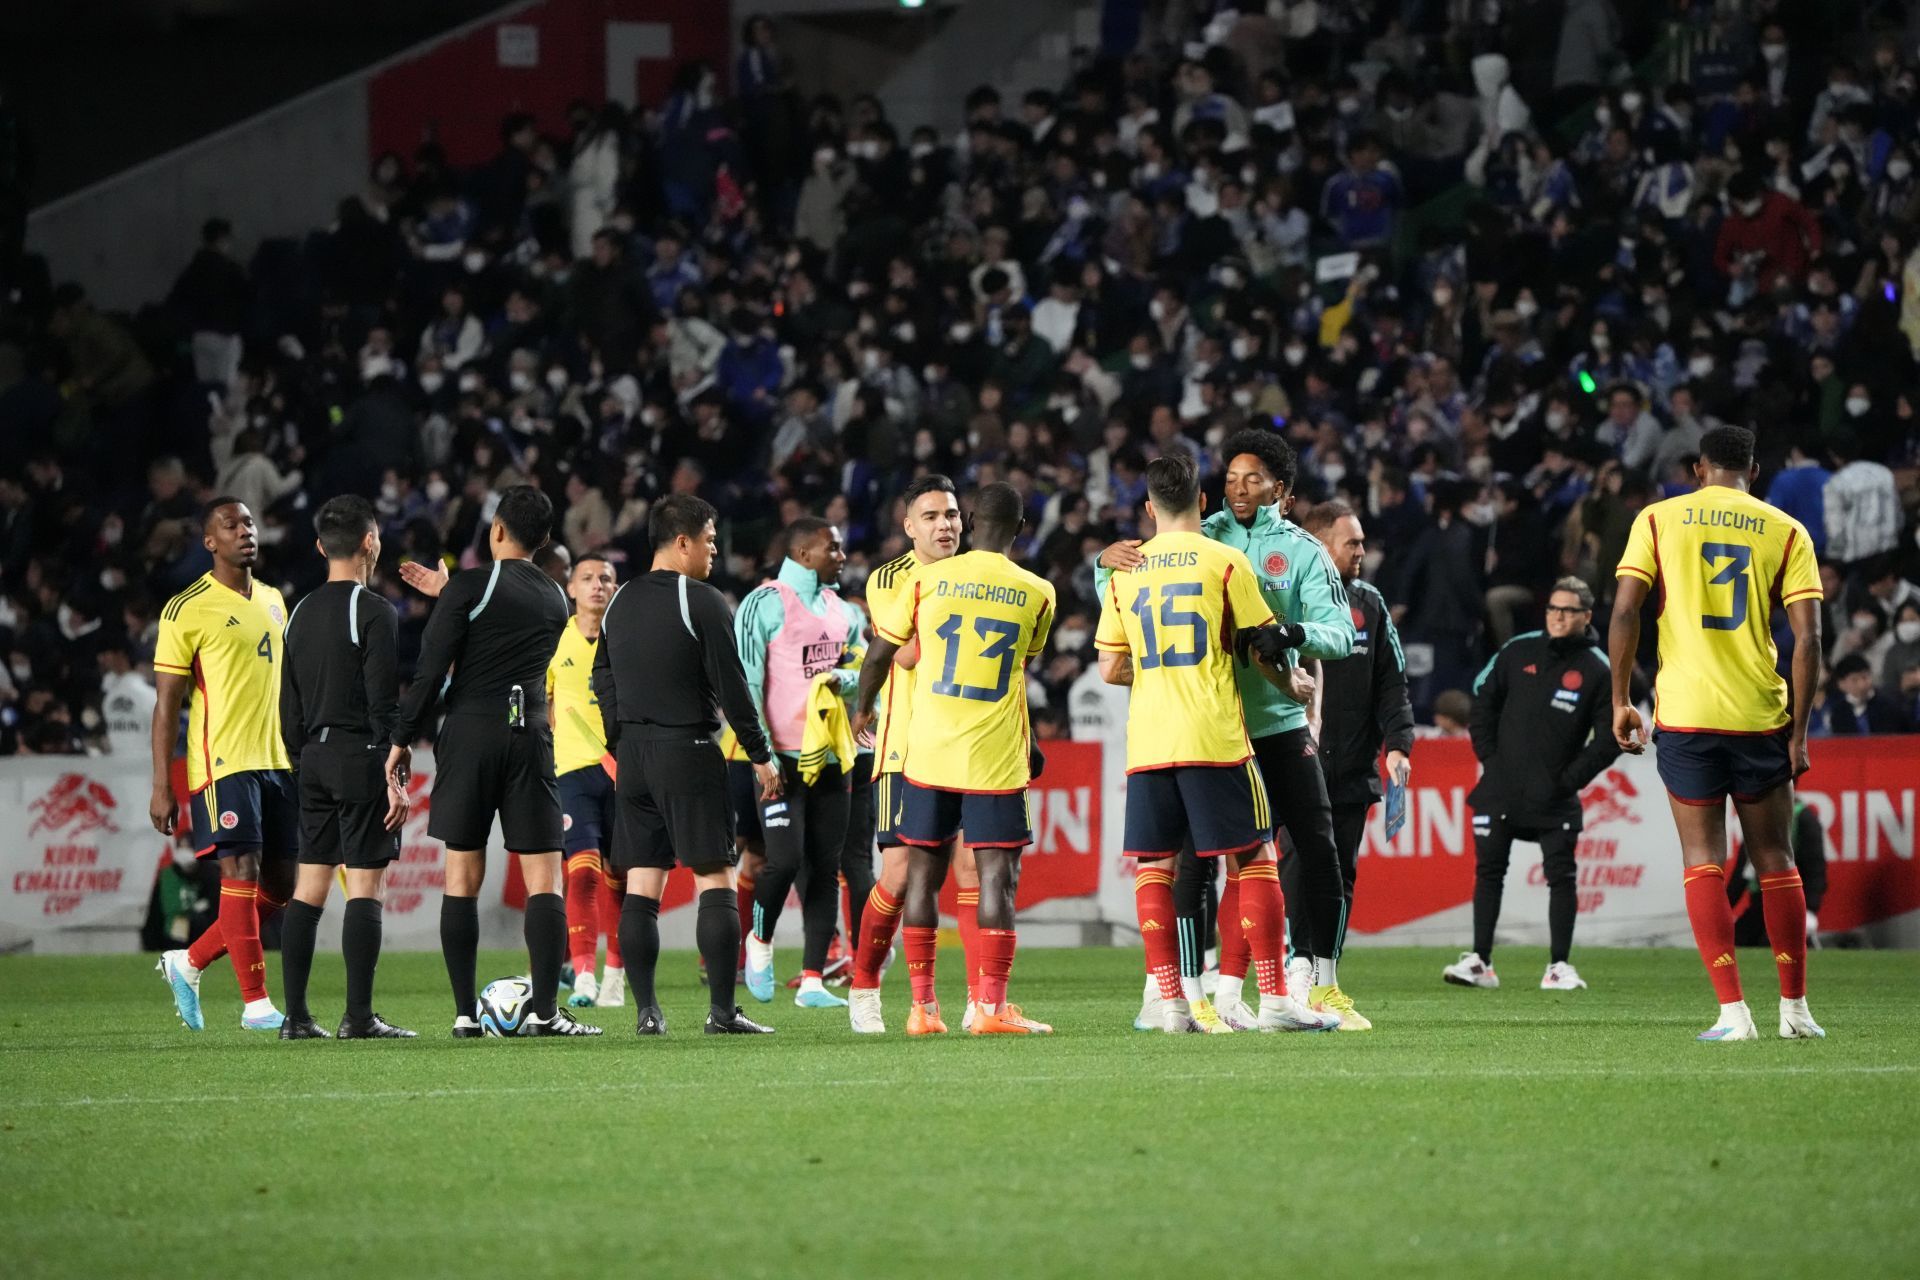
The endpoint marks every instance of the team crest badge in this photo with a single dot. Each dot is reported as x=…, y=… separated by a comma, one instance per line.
x=566, y=822
x=273, y=611
x=1359, y=618
x=229, y=820
x=1276, y=565
x=1571, y=680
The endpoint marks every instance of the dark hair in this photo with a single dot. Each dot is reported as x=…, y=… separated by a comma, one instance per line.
x=1575, y=586
x=1173, y=482
x=342, y=524
x=1454, y=704
x=803, y=528
x=587, y=557
x=546, y=556
x=997, y=511
x=214, y=504
x=677, y=515
x=527, y=514
x=1275, y=454
x=930, y=483
x=1729, y=448
x=1852, y=664
x=1325, y=515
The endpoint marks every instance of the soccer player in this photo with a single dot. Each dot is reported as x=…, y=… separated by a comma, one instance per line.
x=1723, y=725
x=1300, y=585
x=488, y=642
x=1170, y=628
x=222, y=637
x=338, y=701
x=933, y=528
x=979, y=619
x=586, y=788
x=791, y=633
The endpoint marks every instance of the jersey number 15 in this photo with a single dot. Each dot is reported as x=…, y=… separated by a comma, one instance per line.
x=1173, y=616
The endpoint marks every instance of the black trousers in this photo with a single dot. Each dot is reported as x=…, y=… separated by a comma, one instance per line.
x=1310, y=873
x=1492, y=848
x=1349, y=829
x=856, y=851
x=806, y=825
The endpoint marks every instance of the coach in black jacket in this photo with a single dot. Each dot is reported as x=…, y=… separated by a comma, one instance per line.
x=1363, y=705
x=1542, y=728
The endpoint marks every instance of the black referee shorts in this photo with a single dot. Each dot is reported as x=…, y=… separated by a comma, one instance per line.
x=343, y=804
x=673, y=805
x=482, y=767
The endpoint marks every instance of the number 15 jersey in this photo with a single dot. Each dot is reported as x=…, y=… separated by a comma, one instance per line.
x=1718, y=560
x=231, y=645
x=1176, y=615
x=979, y=618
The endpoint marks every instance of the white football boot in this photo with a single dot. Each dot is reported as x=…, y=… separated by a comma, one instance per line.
x=1471, y=971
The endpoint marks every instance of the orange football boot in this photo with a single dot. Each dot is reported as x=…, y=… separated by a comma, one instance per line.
x=925, y=1020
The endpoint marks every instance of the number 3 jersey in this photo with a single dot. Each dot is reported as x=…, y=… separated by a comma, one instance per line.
x=1719, y=560
x=1176, y=614
x=230, y=645
x=979, y=618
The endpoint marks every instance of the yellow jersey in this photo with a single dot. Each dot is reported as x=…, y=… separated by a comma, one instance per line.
x=1718, y=561
x=979, y=617
x=579, y=735
x=893, y=710
x=1176, y=614
x=231, y=646
x=730, y=746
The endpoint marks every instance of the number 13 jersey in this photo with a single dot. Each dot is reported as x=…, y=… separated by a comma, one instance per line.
x=979, y=618
x=1176, y=615
x=1718, y=560
x=230, y=645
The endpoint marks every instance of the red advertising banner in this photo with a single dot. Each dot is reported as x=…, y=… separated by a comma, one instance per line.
x=1064, y=807
x=1863, y=791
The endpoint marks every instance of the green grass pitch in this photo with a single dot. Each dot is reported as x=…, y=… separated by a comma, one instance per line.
x=1510, y=1133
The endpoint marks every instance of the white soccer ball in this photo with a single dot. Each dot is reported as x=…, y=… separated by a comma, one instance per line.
x=504, y=1006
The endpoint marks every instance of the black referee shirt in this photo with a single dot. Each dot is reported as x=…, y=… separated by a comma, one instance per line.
x=493, y=628
x=340, y=670
x=667, y=664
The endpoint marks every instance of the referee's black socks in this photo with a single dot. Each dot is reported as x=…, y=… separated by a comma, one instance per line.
x=640, y=947
x=360, y=946
x=717, y=932
x=296, y=954
x=546, y=934
x=460, y=946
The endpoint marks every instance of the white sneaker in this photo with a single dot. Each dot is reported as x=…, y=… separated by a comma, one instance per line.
x=613, y=989
x=1299, y=977
x=1471, y=971
x=1152, y=1012
x=1287, y=1013
x=1238, y=1016
x=1736, y=1023
x=1560, y=976
x=1796, y=1023
x=586, y=990
x=1176, y=1018
x=966, y=1019
x=863, y=1011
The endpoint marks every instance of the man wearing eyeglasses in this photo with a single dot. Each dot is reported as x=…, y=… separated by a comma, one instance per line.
x=1542, y=728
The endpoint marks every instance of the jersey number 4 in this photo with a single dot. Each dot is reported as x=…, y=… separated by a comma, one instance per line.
x=1173, y=616
x=1738, y=558
x=1001, y=637
x=265, y=647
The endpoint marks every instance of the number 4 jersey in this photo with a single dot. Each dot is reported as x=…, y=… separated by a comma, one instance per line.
x=1719, y=560
x=1176, y=614
x=979, y=618
x=230, y=645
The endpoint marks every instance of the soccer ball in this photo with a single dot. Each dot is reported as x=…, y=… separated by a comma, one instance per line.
x=504, y=1006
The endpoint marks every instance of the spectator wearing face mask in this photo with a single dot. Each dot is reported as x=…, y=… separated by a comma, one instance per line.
x=1903, y=654
x=1765, y=235
x=1856, y=706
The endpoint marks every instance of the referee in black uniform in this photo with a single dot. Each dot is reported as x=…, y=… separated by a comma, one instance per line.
x=666, y=666
x=339, y=698
x=494, y=629
x=1363, y=707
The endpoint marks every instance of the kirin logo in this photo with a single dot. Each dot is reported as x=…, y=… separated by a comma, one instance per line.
x=74, y=801
x=1605, y=799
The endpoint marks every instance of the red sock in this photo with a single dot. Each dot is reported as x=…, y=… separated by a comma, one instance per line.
x=1153, y=900
x=921, y=945
x=851, y=910
x=240, y=923
x=968, y=912
x=613, y=896
x=878, y=924
x=1784, y=899
x=1262, y=924
x=1712, y=919
x=996, y=966
x=583, y=909
x=1234, y=951
x=743, y=891
x=208, y=947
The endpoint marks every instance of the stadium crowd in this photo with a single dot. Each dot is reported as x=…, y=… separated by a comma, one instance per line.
x=1492, y=299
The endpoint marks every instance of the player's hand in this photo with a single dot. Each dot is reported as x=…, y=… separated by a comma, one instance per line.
x=1123, y=555
x=399, y=767
x=1036, y=760
x=160, y=808
x=1802, y=758
x=771, y=783
x=862, y=726
x=1300, y=687
x=427, y=581
x=1399, y=768
x=396, y=807
x=1628, y=732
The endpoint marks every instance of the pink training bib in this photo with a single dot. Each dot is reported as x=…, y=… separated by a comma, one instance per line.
x=805, y=646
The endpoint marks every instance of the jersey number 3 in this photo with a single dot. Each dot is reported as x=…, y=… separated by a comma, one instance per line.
x=1001, y=637
x=1738, y=558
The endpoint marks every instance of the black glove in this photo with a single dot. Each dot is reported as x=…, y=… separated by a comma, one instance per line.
x=1269, y=643
x=1036, y=762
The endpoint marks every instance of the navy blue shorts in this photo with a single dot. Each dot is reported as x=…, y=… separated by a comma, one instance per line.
x=1706, y=768
x=255, y=809
x=743, y=792
x=1220, y=809
x=889, y=797
x=930, y=817
x=586, y=810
